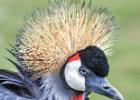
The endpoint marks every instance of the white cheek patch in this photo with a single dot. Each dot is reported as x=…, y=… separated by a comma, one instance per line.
x=73, y=78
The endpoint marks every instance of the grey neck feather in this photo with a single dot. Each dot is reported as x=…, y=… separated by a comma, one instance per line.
x=54, y=88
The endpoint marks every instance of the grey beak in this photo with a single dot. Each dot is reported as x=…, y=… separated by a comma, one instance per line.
x=102, y=86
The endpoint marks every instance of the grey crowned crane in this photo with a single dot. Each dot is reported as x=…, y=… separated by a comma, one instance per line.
x=61, y=54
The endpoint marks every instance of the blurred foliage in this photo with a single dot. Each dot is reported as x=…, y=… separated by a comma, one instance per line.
x=124, y=63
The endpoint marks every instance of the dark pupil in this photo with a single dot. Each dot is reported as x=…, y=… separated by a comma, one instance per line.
x=83, y=72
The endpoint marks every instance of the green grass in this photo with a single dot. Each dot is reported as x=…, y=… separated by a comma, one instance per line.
x=125, y=66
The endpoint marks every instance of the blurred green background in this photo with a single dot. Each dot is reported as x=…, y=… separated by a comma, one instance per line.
x=124, y=63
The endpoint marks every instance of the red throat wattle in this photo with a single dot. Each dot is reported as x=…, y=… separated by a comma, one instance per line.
x=77, y=97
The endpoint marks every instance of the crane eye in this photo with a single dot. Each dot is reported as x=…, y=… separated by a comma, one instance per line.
x=83, y=71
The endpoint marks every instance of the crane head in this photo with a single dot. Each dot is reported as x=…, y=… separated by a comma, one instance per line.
x=87, y=71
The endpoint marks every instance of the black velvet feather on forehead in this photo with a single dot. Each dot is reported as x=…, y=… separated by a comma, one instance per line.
x=95, y=59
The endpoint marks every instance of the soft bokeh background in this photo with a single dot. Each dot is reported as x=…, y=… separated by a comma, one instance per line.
x=125, y=62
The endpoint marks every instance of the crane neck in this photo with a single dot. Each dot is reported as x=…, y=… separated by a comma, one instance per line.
x=77, y=97
x=55, y=89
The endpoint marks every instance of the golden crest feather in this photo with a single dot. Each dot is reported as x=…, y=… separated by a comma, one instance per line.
x=54, y=34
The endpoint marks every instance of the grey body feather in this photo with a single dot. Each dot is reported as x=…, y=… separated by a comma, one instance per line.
x=6, y=94
x=12, y=87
